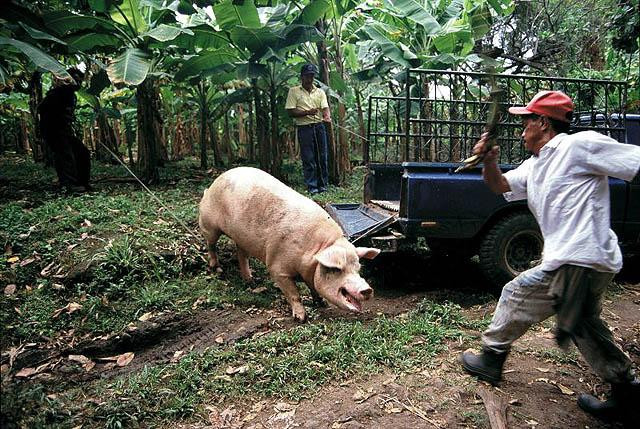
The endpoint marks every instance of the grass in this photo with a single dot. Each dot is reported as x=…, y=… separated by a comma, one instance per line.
x=119, y=255
x=287, y=364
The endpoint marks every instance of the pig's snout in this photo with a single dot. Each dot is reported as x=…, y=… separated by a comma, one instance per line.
x=353, y=295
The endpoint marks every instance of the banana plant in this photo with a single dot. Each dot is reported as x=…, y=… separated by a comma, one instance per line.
x=428, y=33
x=260, y=38
x=136, y=38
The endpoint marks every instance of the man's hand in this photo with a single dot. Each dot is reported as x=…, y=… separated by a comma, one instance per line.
x=311, y=112
x=491, y=173
x=490, y=156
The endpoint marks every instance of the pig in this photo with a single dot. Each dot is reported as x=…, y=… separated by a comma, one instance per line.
x=290, y=233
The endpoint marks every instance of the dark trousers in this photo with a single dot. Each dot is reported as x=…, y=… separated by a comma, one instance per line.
x=72, y=159
x=313, y=151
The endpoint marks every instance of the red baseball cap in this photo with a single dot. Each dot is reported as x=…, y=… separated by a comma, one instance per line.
x=553, y=104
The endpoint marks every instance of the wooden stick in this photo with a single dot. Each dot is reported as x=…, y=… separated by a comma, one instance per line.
x=496, y=407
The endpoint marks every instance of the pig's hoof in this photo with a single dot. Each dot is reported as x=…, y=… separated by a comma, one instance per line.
x=300, y=317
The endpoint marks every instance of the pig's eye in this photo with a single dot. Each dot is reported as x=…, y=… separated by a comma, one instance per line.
x=332, y=270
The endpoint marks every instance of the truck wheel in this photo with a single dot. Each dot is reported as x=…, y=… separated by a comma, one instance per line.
x=509, y=247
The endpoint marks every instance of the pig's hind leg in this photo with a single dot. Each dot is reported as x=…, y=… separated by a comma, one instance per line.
x=243, y=261
x=211, y=236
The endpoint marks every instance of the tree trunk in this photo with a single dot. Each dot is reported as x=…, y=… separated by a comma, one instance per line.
x=147, y=133
x=242, y=134
x=263, y=141
x=39, y=150
x=215, y=144
x=276, y=158
x=204, y=114
x=250, y=134
x=106, y=137
x=22, y=143
x=364, y=145
x=323, y=61
x=129, y=137
x=226, y=138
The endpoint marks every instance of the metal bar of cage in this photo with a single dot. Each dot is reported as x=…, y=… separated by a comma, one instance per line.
x=452, y=109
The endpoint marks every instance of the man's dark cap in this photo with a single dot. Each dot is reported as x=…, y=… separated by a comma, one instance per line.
x=309, y=69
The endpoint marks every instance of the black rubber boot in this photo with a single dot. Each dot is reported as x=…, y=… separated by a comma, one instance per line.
x=486, y=366
x=622, y=405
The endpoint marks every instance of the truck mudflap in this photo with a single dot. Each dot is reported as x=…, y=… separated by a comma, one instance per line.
x=359, y=221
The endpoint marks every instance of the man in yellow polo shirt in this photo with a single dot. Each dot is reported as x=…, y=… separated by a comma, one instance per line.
x=307, y=105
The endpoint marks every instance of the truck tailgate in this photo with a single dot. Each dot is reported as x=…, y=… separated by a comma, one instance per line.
x=361, y=220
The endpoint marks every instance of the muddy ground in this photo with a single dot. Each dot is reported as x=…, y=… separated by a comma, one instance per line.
x=539, y=388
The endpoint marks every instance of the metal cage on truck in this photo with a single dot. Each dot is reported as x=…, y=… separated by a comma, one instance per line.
x=442, y=114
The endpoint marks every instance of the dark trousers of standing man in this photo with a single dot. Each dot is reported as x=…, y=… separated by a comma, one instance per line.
x=313, y=151
x=72, y=159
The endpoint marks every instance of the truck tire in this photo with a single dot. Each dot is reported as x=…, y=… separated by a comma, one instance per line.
x=509, y=247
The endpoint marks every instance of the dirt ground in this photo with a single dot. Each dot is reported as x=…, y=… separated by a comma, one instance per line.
x=539, y=389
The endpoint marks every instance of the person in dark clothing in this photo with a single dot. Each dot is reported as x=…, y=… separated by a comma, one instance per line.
x=307, y=105
x=57, y=110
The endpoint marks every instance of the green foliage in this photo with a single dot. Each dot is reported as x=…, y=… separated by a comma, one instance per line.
x=38, y=57
x=131, y=67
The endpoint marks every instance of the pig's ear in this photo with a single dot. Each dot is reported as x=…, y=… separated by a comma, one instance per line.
x=332, y=257
x=367, y=252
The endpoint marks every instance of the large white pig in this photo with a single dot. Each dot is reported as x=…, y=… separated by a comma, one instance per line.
x=290, y=233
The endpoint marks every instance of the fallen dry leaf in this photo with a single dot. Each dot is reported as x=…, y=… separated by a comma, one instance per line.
x=10, y=289
x=515, y=402
x=283, y=407
x=89, y=365
x=26, y=372
x=27, y=261
x=79, y=358
x=543, y=369
x=13, y=259
x=69, y=308
x=249, y=417
x=565, y=390
x=238, y=370
x=86, y=223
x=360, y=396
x=125, y=359
x=219, y=339
x=177, y=355
x=145, y=317
x=47, y=270
x=259, y=289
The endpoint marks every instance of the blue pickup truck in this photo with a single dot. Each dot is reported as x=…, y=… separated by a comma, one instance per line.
x=455, y=213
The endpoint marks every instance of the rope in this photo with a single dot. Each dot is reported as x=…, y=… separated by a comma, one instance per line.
x=180, y=222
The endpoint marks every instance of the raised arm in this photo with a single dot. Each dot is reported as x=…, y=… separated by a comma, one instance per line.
x=491, y=173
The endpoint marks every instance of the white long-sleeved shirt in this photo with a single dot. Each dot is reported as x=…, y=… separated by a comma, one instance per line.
x=567, y=190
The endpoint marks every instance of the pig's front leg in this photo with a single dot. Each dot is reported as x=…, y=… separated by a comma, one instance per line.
x=291, y=293
x=317, y=299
